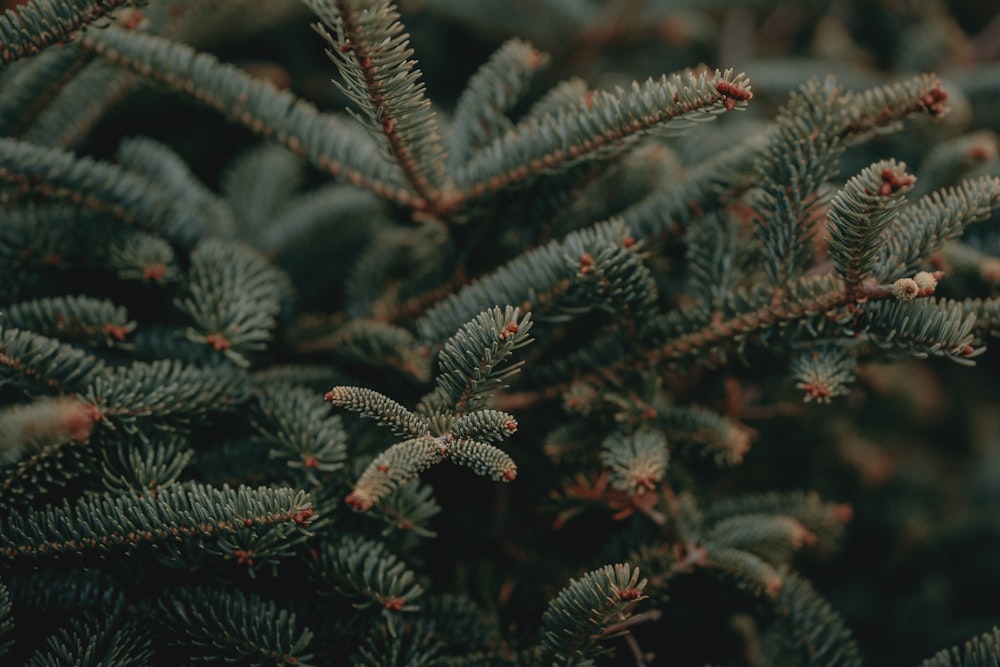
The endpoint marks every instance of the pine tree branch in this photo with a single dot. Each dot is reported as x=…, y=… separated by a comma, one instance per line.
x=36, y=361
x=980, y=651
x=78, y=319
x=858, y=215
x=600, y=124
x=327, y=141
x=371, y=50
x=56, y=174
x=575, y=620
x=124, y=521
x=493, y=90
x=234, y=626
x=30, y=28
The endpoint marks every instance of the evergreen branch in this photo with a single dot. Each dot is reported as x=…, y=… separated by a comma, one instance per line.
x=31, y=83
x=575, y=620
x=104, y=522
x=415, y=645
x=56, y=174
x=392, y=469
x=6, y=621
x=376, y=345
x=534, y=279
x=824, y=371
x=774, y=538
x=387, y=412
x=725, y=440
x=71, y=318
x=980, y=651
x=688, y=332
x=818, y=631
x=599, y=124
x=483, y=458
x=488, y=425
x=31, y=360
x=80, y=105
x=637, y=461
x=232, y=294
x=129, y=464
x=881, y=107
x=161, y=165
x=746, y=570
x=613, y=275
x=472, y=362
x=372, y=53
x=800, y=158
x=922, y=228
x=102, y=640
x=141, y=257
x=368, y=573
x=924, y=327
x=30, y=28
x=234, y=626
x=327, y=141
x=165, y=389
x=714, y=254
x=410, y=508
x=986, y=313
x=300, y=427
x=493, y=90
x=824, y=520
x=44, y=421
x=858, y=215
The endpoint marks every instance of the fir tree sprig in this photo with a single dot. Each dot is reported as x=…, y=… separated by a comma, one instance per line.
x=34, y=361
x=109, y=639
x=297, y=424
x=327, y=141
x=576, y=619
x=164, y=391
x=369, y=574
x=474, y=362
x=481, y=111
x=799, y=159
x=387, y=412
x=233, y=309
x=371, y=49
x=920, y=229
x=79, y=319
x=231, y=625
x=819, y=632
x=858, y=216
x=30, y=28
x=59, y=175
x=123, y=521
x=637, y=461
x=980, y=651
x=6, y=621
x=601, y=123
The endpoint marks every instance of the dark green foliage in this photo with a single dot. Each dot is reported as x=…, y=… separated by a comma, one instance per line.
x=583, y=611
x=203, y=276
x=232, y=626
x=981, y=651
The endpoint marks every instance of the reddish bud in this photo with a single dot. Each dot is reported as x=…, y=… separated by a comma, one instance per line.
x=116, y=331
x=154, y=272
x=357, y=502
x=218, y=342
x=394, y=604
x=310, y=461
x=630, y=593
